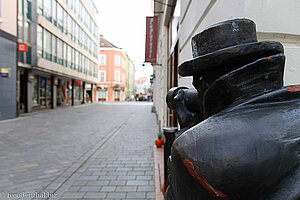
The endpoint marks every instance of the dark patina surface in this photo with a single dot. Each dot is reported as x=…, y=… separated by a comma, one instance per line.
x=241, y=130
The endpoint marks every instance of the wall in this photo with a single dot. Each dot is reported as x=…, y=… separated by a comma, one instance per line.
x=8, y=20
x=8, y=105
x=276, y=20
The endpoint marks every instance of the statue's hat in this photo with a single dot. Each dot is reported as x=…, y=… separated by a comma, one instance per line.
x=231, y=43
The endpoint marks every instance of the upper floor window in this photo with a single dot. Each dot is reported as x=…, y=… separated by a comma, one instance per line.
x=102, y=76
x=48, y=9
x=117, y=76
x=102, y=59
x=117, y=60
x=123, y=63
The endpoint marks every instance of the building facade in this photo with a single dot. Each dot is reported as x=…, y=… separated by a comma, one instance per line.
x=112, y=72
x=8, y=65
x=180, y=20
x=130, y=76
x=62, y=56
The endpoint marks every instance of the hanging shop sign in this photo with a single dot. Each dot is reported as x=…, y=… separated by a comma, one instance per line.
x=22, y=47
x=151, y=39
x=5, y=72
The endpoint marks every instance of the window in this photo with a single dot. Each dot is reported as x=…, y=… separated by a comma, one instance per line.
x=40, y=41
x=54, y=50
x=102, y=76
x=20, y=7
x=84, y=64
x=80, y=62
x=27, y=32
x=60, y=51
x=117, y=76
x=123, y=64
x=47, y=45
x=69, y=56
x=65, y=22
x=28, y=10
x=40, y=7
x=117, y=60
x=70, y=29
x=54, y=12
x=73, y=58
x=60, y=17
x=90, y=67
x=102, y=59
x=48, y=9
x=73, y=30
x=65, y=55
x=123, y=77
x=20, y=28
x=76, y=59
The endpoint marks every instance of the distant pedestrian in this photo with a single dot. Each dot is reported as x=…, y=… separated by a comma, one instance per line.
x=87, y=97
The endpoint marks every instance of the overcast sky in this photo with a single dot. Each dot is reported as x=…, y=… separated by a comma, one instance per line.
x=123, y=23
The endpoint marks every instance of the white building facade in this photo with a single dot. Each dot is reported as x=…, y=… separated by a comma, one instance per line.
x=180, y=20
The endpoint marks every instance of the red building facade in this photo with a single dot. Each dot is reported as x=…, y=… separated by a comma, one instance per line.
x=112, y=72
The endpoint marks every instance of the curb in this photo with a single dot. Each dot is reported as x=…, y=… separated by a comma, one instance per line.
x=158, y=171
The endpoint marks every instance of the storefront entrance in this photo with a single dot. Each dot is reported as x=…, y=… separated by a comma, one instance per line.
x=102, y=94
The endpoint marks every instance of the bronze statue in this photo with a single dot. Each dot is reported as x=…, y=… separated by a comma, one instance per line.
x=243, y=139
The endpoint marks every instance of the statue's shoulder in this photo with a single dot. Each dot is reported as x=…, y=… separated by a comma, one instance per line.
x=289, y=95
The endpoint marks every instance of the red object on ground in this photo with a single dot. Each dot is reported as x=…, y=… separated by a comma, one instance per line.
x=159, y=142
x=163, y=189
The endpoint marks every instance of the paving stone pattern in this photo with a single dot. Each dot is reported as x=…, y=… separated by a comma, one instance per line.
x=96, y=151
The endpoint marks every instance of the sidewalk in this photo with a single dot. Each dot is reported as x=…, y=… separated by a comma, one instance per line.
x=122, y=168
x=118, y=163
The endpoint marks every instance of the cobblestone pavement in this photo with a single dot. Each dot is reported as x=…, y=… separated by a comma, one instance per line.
x=96, y=151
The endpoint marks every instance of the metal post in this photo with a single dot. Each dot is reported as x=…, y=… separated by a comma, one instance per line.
x=169, y=133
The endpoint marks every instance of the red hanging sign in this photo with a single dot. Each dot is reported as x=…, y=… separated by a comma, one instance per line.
x=22, y=47
x=151, y=39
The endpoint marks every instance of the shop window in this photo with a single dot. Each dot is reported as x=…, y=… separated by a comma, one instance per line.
x=35, y=90
x=116, y=95
x=101, y=95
